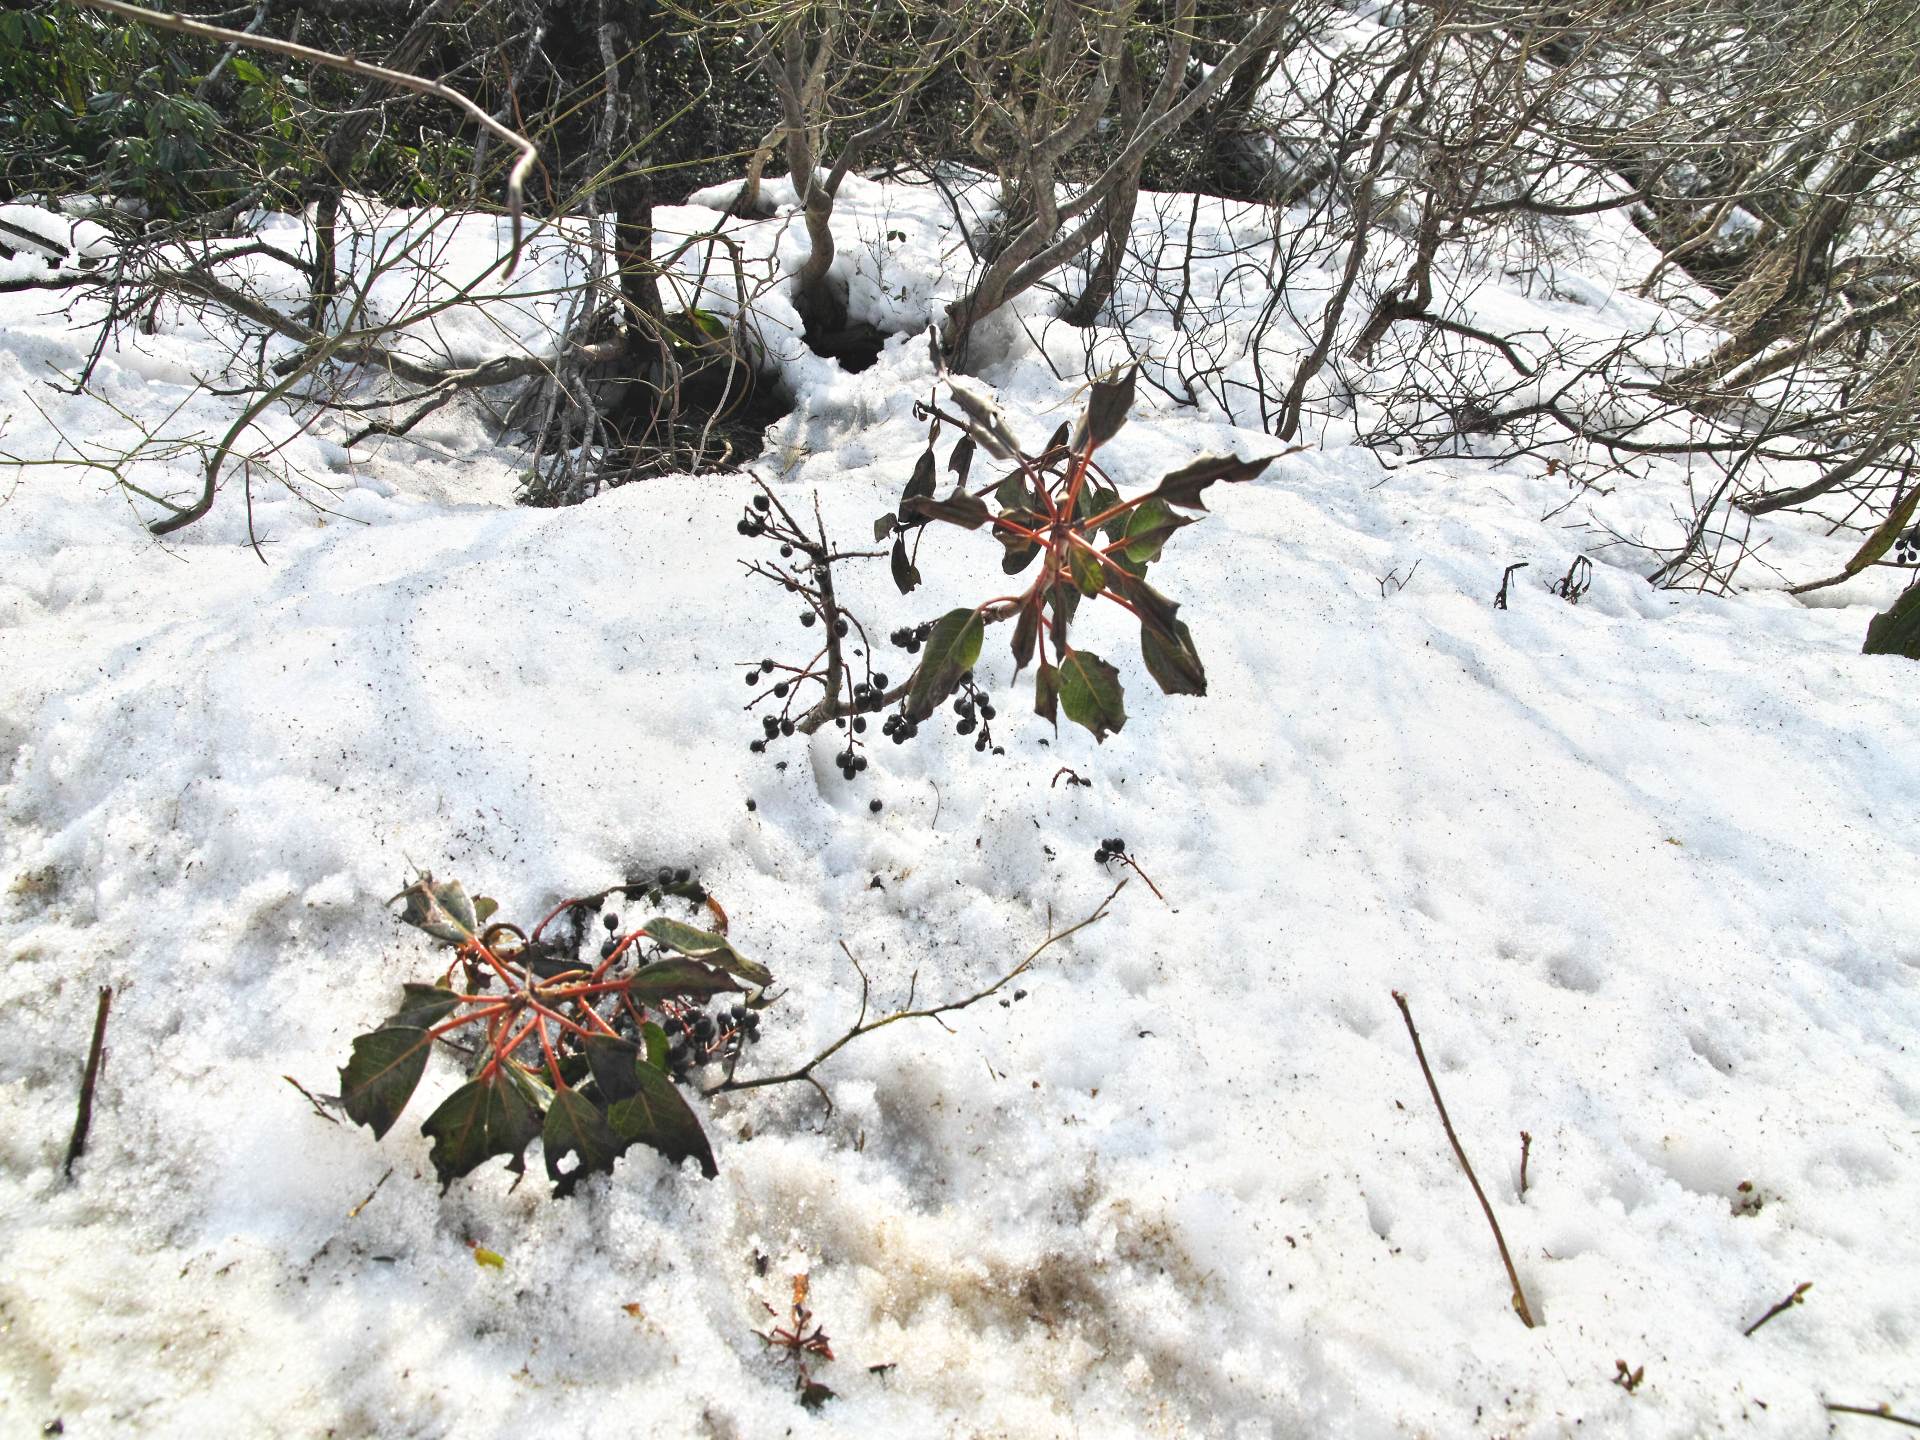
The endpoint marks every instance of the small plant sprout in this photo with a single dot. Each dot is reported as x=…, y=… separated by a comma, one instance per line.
x=801, y=1345
x=579, y=1054
x=1058, y=508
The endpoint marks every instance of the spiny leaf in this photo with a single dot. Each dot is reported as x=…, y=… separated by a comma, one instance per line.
x=906, y=575
x=481, y=1119
x=1090, y=693
x=969, y=512
x=1106, y=411
x=423, y=1005
x=574, y=1127
x=952, y=646
x=1182, y=487
x=379, y=1079
x=656, y=1116
x=665, y=979
x=1172, y=660
x=701, y=945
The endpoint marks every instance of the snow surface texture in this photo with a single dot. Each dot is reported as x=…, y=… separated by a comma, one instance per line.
x=1642, y=867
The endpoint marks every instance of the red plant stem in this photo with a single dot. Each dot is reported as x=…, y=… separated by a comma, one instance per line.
x=553, y=1060
x=552, y=914
x=447, y=1027
x=502, y=1051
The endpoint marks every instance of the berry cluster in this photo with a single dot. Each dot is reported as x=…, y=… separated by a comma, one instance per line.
x=1906, y=548
x=835, y=668
x=911, y=637
x=694, y=1036
x=1113, y=849
x=975, y=709
x=698, y=1037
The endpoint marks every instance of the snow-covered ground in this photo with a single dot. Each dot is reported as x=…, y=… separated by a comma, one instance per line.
x=1642, y=867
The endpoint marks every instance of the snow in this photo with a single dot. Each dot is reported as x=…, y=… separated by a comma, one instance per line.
x=1639, y=866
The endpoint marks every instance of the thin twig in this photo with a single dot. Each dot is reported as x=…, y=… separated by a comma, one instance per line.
x=861, y=1025
x=516, y=177
x=1799, y=1292
x=1520, y=1305
x=1882, y=1411
x=83, y=1120
x=1526, y=1148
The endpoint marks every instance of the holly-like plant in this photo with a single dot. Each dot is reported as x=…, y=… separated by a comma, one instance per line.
x=1061, y=509
x=581, y=1054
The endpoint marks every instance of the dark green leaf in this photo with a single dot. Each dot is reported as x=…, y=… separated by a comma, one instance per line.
x=1183, y=486
x=1018, y=549
x=969, y=512
x=1147, y=527
x=1106, y=411
x=1094, y=499
x=481, y=1119
x=882, y=528
x=906, y=575
x=1066, y=604
x=1089, y=575
x=920, y=486
x=423, y=1005
x=1012, y=493
x=615, y=1064
x=574, y=1127
x=1026, y=631
x=1046, y=693
x=1896, y=630
x=656, y=1115
x=665, y=979
x=1090, y=693
x=379, y=1079
x=961, y=460
x=1172, y=660
x=656, y=1042
x=952, y=647
x=1155, y=610
x=1056, y=445
x=714, y=949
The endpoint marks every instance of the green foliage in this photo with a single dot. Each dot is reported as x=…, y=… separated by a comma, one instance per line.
x=559, y=1048
x=1061, y=508
x=1896, y=630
